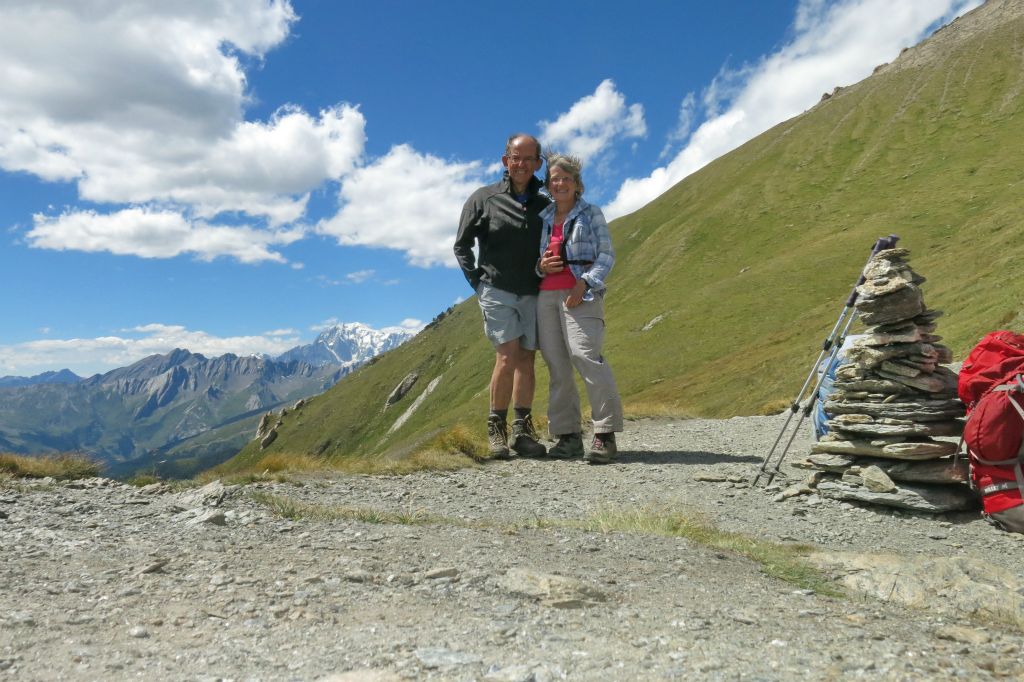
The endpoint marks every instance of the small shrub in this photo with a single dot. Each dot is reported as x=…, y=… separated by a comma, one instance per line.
x=65, y=466
x=459, y=440
x=289, y=462
x=142, y=480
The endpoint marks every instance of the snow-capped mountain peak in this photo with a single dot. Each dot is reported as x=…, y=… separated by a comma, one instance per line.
x=349, y=344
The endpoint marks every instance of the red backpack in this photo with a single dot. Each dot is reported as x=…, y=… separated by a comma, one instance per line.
x=991, y=386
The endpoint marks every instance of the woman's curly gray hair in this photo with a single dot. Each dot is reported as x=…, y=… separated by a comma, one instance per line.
x=570, y=164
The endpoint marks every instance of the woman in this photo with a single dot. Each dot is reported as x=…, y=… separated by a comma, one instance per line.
x=576, y=256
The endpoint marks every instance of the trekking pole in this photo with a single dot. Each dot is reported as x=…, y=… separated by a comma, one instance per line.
x=830, y=348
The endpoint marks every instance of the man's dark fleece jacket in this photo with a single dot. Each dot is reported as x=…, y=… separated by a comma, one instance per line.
x=508, y=232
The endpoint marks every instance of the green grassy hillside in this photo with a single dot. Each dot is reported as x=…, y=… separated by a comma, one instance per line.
x=750, y=260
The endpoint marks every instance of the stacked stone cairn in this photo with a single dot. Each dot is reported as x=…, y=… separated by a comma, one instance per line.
x=893, y=401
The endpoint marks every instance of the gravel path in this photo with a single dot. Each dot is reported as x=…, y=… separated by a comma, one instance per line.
x=484, y=579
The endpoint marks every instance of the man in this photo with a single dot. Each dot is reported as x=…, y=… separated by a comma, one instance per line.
x=503, y=219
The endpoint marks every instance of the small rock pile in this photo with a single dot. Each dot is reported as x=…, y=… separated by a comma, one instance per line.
x=892, y=399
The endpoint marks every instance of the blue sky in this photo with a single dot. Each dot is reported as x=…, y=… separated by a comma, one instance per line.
x=235, y=175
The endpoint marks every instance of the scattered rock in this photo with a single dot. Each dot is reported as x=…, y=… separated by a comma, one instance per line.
x=550, y=590
x=401, y=389
x=949, y=586
x=957, y=633
x=442, y=658
x=876, y=480
x=442, y=573
x=650, y=325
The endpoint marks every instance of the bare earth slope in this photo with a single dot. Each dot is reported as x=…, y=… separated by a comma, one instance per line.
x=469, y=575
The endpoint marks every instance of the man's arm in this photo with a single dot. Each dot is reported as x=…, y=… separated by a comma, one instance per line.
x=469, y=227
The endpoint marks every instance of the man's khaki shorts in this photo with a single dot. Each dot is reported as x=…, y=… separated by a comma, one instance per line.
x=508, y=316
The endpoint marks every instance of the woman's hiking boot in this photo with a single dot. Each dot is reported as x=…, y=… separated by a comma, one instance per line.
x=568, y=445
x=525, y=440
x=497, y=438
x=602, y=450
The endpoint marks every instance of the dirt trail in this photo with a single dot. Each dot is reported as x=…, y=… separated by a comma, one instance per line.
x=477, y=574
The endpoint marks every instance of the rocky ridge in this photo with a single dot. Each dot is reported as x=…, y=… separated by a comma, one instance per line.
x=483, y=574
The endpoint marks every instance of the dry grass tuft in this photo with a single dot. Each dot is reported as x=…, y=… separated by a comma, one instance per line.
x=142, y=480
x=65, y=466
x=293, y=509
x=458, y=440
x=785, y=562
x=290, y=462
x=641, y=409
x=429, y=459
x=451, y=450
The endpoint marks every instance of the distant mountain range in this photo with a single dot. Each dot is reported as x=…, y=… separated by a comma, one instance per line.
x=64, y=376
x=179, y=412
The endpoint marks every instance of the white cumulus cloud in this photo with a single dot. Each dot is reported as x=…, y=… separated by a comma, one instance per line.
x=143, y=103
x=152, y=233
x=594, y=123
x=101, y=354
x=834, y=44
x=406, y=201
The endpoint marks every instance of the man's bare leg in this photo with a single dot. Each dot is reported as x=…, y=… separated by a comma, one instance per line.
x=524, y=381
x=503, y=378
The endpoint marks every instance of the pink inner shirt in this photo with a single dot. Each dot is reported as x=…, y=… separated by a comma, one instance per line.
x=554, y=281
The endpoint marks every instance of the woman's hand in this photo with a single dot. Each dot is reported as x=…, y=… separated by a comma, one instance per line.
x=575, y=296
x=551, y=262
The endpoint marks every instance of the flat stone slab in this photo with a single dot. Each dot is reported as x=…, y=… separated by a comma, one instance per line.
x=913, y=451
x=943, y=471
x=940, y=381
x=919, y=410
x=902, y=304
x=953, y=587
x=935, y=500
x=874, y=385
x=868, y=354
x=893, y=427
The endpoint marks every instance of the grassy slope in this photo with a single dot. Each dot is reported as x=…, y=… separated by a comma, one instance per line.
x=751, y=259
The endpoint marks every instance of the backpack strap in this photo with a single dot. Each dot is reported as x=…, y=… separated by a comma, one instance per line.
x=998, y=487
x=566, y=233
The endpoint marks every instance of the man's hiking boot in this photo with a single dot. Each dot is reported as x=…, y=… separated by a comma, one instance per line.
x=602, y=450
x=497, y=438
x=525, y=440
x=568, y=445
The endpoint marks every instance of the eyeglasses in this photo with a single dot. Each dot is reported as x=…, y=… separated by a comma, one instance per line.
x=561, y=180
x=515, y=158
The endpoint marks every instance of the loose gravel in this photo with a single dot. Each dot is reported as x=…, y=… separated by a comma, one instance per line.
x=479, y=574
